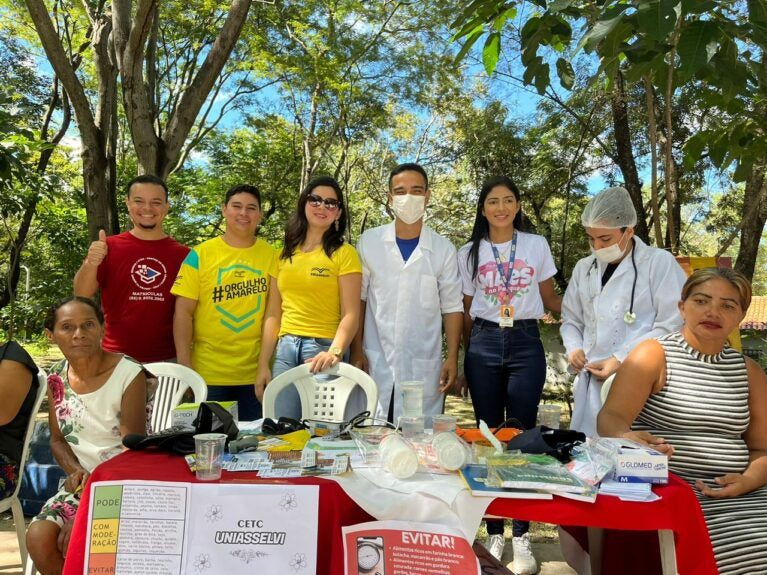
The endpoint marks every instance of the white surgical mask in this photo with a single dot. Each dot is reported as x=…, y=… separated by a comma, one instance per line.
x=610, y=253
x=408, y=208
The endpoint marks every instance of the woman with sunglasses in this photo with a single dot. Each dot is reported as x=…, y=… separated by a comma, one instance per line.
x=313, y=310
x=506, y=276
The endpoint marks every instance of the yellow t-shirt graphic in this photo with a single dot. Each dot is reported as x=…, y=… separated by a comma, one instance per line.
x=230, y=286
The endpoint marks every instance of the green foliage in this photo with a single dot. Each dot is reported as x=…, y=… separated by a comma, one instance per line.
x=714, y=44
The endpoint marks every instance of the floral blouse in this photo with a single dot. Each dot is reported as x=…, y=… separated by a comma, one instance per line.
x=90, y=422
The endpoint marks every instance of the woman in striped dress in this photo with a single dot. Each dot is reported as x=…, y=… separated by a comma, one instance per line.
x=703, y=403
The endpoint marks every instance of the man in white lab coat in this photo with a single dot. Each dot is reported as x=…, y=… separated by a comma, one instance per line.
x=622, y=294
x=410, y=285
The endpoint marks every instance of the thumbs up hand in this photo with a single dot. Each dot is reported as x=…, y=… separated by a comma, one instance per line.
x=97, y=250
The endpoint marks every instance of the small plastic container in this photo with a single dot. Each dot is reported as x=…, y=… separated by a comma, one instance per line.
x=398, y=456
x=209, y=452
x=443, y=422
x=412, y=397
x=452, y=452
x=411, y=426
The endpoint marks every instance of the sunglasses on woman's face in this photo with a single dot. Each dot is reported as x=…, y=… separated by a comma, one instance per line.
x=316, y=201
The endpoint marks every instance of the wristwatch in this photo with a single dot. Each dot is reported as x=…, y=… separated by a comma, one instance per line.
x=337, y=351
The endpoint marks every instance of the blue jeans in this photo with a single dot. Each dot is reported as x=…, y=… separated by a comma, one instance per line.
x=248, y=407
x=292, y=351
x=506, y=370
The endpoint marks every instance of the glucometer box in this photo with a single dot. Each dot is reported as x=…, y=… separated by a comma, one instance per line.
x=637, y=463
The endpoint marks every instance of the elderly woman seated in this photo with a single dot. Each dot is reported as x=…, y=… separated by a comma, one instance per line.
x=95, y=399
x=693, y=397
x=18, y=388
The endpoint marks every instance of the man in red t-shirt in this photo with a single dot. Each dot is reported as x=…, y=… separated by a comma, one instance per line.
x=135, y=271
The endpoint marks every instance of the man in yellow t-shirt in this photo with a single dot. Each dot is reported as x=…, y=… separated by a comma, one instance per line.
x=221, y=292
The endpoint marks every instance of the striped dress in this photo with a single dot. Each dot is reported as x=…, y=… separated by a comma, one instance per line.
x=703, y=411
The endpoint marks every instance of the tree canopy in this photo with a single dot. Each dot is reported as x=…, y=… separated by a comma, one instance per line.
x=664, y=97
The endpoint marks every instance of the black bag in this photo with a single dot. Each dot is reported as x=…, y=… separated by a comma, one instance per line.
x=555, y=442
x=211, y=418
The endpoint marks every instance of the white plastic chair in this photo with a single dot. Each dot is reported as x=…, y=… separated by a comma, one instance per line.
x=12, y=501
x=173, y=381
x=322, y=399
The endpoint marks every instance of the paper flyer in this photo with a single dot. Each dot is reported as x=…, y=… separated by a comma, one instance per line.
x=164, y=528
x=407, y=548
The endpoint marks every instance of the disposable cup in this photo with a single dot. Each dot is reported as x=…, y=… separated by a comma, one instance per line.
x=452, y=452
x=412, y=397
x=443, y=422
x=549, y=415
x=411, y=426
x=209, y=452
x=398, y=456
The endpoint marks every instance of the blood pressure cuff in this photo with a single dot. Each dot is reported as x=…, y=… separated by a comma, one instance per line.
x=555, y=442
x=211, y=418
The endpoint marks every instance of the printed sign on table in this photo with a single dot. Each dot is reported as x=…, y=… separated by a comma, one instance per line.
x=407, y=548
x=167, y=528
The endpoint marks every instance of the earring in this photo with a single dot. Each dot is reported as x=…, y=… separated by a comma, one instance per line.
x=336, y=224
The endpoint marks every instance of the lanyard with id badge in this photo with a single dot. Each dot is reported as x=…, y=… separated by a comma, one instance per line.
x=506, y=318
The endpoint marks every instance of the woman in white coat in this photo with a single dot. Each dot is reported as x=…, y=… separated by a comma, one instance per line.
x=622, y=294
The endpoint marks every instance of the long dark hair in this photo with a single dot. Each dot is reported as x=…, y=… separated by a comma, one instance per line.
x=481, y=229
x=295, y=230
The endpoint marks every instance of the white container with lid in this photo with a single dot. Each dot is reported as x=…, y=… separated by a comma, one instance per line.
x=398, y=456
x=452, y=452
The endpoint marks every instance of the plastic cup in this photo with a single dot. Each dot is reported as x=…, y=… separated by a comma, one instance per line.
x=443, y=422
x=411, y=426
x=452, y=453
x=549, y=415
x=209, y=452
x=412, y=397
x=398, y=456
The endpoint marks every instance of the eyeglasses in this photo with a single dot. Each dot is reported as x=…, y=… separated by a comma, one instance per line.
x=316, y=201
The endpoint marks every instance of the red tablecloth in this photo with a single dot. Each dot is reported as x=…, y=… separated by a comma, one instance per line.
x=678, y=510
x=336, y=509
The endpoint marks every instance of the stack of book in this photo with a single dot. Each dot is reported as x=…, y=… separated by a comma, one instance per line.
x=525, y=476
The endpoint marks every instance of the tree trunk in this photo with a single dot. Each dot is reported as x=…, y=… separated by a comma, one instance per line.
x=653, y=137
x=626, y=159
x=133, y=28
x=96, y=130
x=754, y=216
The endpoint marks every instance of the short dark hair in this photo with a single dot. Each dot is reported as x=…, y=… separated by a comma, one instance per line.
x=243, y=189
x=147, y=179
x=409, y=167
x=50, y=316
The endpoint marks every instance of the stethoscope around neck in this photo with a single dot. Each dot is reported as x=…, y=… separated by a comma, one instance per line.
x=629, y=317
